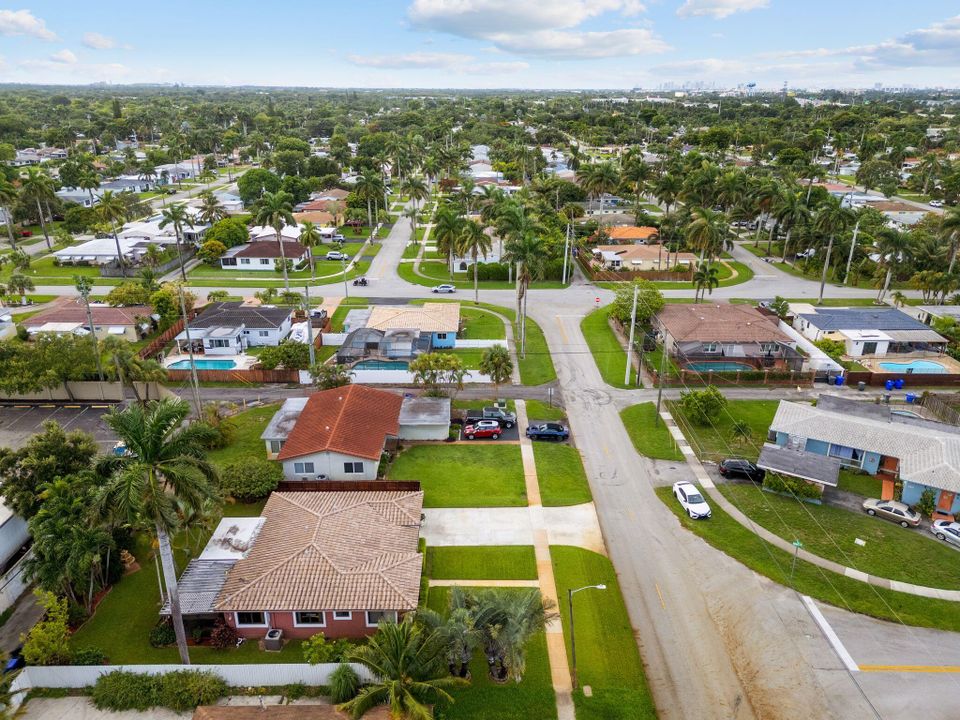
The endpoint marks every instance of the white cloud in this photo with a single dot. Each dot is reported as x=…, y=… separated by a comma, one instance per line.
x=24, y=22
x=64, y=56
x=529, y=27
x=53, y=70
x=98, y=42
x=452, y=62
x=719, y=9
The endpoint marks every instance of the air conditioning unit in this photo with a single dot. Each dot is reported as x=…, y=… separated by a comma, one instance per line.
x=273, y=640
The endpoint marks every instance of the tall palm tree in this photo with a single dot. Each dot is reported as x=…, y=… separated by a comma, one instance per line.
x=527, y=253
x=37, y=186
x=177, y=216
x=706, y=277
x=112, y=210
x=89, y=181
x=930, y=169
x=638, y=174
x=211, y=209
x=894, y=247
x=310, y=238
x=416, y=189
x=473, y=240
x=20, y=284
x=446, y=230
x=709, y=232
x=412, y=213
x=790, y=211
x=408, y=661
x=369, y=186
x=666, y=189
x=597, y=179
x=832, y=218
x=129, y=367
x=8, y=196
x=764, y=195
x=166, y=468
x=275, y=209
x=950, y=231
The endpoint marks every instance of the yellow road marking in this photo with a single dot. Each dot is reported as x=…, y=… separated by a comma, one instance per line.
x=71, y=407
x=660, y=595
x=911, y=668
x=22, y=407
x=562, y=331
x=606, y=450
x=46, y=406
x=99, y=406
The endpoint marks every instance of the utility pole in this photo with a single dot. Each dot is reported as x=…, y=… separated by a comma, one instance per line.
x=306, y=295
x=663, y=362
x=343, y=265
x=193, y=366
x=633, y=323
x=566, y=253
x=853, y=245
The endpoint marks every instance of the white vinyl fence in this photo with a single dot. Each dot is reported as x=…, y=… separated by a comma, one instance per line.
x=463, y=343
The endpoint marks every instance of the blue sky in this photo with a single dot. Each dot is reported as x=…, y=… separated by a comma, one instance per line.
x=484, y=43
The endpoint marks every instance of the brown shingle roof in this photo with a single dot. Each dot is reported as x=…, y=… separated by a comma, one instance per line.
x=317, y=217
x=721, y=322
x=331, y=551
x=353, y=420
x=69, y=310
x=271, y=249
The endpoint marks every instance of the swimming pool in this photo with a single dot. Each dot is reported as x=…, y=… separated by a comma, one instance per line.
x=719, y=366
x=927, y=367
x=203, y=365
x=381, y=365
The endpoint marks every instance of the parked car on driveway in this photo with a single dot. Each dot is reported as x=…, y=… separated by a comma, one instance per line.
x=482, y=429
x=506, y=418
x=739, y=467
x=691, y=500
x=892, y=510
x=548, y=431
x=337, y=255
x=946, y=530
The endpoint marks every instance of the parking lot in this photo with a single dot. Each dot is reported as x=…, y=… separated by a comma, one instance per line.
x=19, y=421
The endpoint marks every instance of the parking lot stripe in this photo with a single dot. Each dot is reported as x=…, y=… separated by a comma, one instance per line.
x=71, y=407
x=829, y=633
x=911, y=668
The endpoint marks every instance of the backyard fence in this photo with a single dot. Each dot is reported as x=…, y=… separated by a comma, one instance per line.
x=911, y=380
x=595, y=273
x=939, y=408
x=159, y=342
x=252, y=376
x=348, y=486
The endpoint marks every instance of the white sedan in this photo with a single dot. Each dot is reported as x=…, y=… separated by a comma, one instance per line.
x=946, y=530
x=445, y=288
x=691, y=500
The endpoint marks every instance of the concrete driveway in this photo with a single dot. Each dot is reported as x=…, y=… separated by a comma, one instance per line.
x=80, y=708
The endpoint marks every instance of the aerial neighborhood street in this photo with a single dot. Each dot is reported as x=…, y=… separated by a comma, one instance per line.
x=481, y=400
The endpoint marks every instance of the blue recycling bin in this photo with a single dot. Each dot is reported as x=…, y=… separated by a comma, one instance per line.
x=910, y=398
x=839, y=380
x=888, y=384
x=898, y=383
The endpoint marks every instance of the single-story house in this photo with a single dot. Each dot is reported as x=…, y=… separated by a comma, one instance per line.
x=725, y=336
x=900, y=212
x=641, y=257
x=231, y=203
x=331, y=562
x=103, y=251
x=339, y=434
x=290, y=233
x=149, y=230
x=865, y=436
x=78, y=196
x=441, y=321
x=128, y=183
x=317, y=217
x=264, y=254
x=69, y=315
x=867, y=331
x=227, y=328
x=632, y=234
x=183, y=170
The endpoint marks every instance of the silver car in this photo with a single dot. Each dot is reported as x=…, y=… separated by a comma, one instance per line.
x=946, y=530
x=892, y=510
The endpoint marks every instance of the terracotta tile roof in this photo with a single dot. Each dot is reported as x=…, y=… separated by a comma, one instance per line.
x=323, y=205
x=68, y=310
x=271, y=249
x=353, y=420
x=721, y=322
x=331, y=551
x=632, y=232
x=317, y=217
x=429, y=317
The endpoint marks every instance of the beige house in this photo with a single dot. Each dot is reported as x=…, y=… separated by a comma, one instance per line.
x=640, y=257
x=69, y=315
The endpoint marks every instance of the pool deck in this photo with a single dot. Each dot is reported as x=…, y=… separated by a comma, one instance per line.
x=242, y=362
x=874, y=363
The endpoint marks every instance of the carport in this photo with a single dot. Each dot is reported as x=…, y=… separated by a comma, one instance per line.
x=810, y=467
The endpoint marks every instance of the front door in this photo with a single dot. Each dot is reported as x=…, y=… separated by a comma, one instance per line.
x=869, y=348
x=945, y=502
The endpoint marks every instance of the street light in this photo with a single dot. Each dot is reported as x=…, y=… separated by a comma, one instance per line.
x=573, y=642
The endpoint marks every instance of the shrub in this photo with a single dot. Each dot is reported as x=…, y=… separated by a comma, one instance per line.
x=162, y=634
x=791, y=486
x=344, y=684
x=197, y=634
x=121, y=690
x=251, y=479
x=223, y=636
x=183, y=690
x=703, y=406
x=318, y=649
x=47, y=642
x=927, y=503
x=88, y=656
x=211, y=251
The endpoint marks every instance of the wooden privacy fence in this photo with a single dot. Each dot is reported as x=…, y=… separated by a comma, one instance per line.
x=254, y=375
x=159, y=342
x=348, y=485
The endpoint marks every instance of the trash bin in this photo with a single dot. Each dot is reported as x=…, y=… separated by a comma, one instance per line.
x=886, y=398
x=888, y=384
x=898, y=383
x=839, y=380
x=861, y=386
x=910, y=398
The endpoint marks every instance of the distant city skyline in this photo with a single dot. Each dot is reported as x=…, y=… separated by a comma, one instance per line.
x=487, y=44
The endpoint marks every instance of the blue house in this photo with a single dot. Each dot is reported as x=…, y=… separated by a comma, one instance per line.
x=440, y=321
x=891, y=446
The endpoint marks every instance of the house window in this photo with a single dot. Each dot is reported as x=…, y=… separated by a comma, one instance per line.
x=710, y=347
x=264, y=261
x=768, y=348
x=276, y=446
x=375, y=616
x=313, y=618
x=353, y=468
x=342, y=615
x=846, y=455
x=250, y=619
x=244, y=261
x=220, y=343
x=228, y=261
x=441, y=336
x=303, y=468
x=264, y=333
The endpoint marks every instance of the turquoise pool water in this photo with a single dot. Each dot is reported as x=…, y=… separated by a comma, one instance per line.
x=914, y=366
x=381, y=365
x=203, y=365
x=719, y=366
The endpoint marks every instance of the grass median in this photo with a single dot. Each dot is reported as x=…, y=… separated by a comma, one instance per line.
x=560, y=475
x=650, y=438
x=608, y=353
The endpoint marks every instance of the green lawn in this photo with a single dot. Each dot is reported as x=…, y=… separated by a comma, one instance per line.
x=649, y=438
x=436, y=273
x=654, y=360
x=483, y=699
x=859, y=483
x=560, y=474
x=44, y=271
x=485, y=475
x=608, y=353
x=470, y=357
x=246, y=442
x=411, y=251
x=480, y=325
x=607, y=656
x=537, y=410
x=891, y=551
x=728, y=535
x=340, y=314
x=716, y=441
x=482, y=562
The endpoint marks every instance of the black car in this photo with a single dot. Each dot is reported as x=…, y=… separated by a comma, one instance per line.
x=738, y=467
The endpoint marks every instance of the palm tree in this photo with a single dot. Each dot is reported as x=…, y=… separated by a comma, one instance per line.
x=666, y=189
x=446, y=230
x=893, y=246
x=930, y=168
x=899, y=299
x=832, y=219
x=412, y=213
x=638, y=174
x=211, y=209
x=129, y=367
x=790, y=211
x=497, y=365
x=369, y=186
x=20, y=284
x=527, y=253
x=763, y=196
x=597, y=179
x=706, y=277
x=38, y=187
x=327, y=377
x=473, y=240
x=408, y=662
x=950, y=231
x=8, y=196
x=275, y=209
x=177, y=216
x=165, y=469
x=89, y=181
x=524, y=614
x=112, y=210
x=207, y=177
x=709, y=232
x=416, y=189
x=310, y=238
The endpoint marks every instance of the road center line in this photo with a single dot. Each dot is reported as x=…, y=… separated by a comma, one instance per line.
x=911, y=668
x=660, y=595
